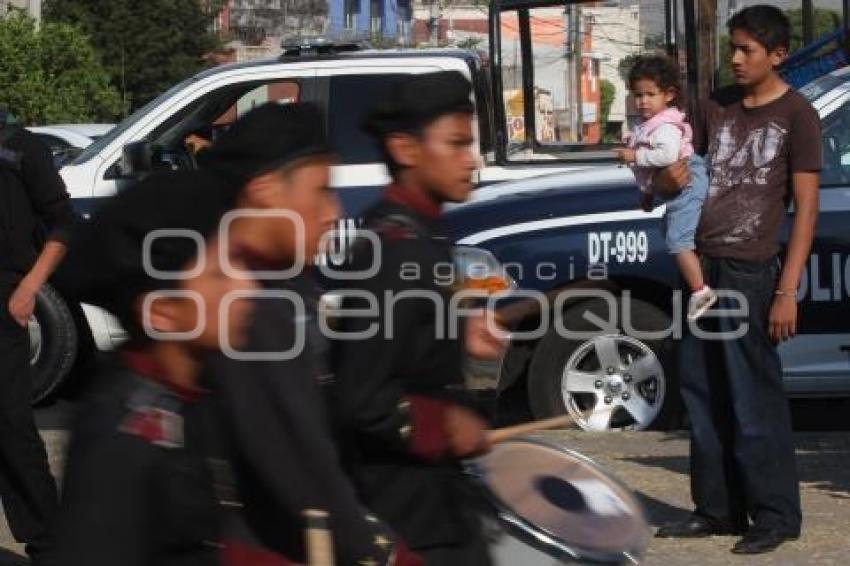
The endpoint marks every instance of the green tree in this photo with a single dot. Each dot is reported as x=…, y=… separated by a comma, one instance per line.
x=606, y=100
x=825, y=22
x=53, y=74
x=146, y=46
x=608, y=91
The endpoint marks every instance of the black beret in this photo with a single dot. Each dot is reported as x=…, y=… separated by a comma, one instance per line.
x=415, y=102
x=104, y=265
x=266, y=138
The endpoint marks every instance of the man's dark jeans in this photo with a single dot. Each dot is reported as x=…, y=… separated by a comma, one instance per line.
x=27, y=489
x=742, y=452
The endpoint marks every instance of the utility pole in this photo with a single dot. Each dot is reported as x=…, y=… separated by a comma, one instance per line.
x=808, y=22
x=579, y=62
x=574, y=71
x=434, y=22
x=706, y=41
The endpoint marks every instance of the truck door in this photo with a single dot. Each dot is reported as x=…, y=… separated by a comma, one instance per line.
x=818, y=359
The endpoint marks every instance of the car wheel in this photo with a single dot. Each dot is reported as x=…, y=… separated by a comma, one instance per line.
x=53, y=343
x=610, y=380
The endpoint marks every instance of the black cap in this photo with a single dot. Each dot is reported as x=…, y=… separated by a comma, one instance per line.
x=104, y=265
x=417, y=101
x=266, y=138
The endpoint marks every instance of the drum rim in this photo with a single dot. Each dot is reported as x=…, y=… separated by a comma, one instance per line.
x=537, y=536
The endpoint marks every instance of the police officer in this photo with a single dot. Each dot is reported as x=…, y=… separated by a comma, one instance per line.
x=270, y=404
x=138, y=485
x=31, y=195
x=398, y=394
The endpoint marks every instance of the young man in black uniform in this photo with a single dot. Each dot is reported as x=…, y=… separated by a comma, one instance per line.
x=139, y=489
x=269, y=400
x=398, y=393
x=31, y=194
x=763, y=145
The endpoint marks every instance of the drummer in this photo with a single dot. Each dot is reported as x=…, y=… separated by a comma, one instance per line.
x=396, y=394
x=137, y=489
x=278, y=454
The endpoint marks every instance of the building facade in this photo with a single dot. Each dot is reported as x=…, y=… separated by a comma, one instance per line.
x=382, y=21
x=253, y=21
x=31, y=7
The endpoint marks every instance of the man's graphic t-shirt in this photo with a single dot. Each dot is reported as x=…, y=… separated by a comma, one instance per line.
x=752, y=154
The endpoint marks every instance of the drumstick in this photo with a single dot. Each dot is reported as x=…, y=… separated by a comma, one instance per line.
x=320, y=550
x=501, y=434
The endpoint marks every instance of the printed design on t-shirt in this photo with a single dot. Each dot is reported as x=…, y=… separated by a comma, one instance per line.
x=734, y=163
x=738, y=161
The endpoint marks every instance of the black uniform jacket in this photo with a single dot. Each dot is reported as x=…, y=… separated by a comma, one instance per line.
x=391, y=389
x=279, y=438
x=34, y=204
x=138, y=490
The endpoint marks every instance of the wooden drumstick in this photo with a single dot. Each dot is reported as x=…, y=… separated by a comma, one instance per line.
x=320, y=550
x=501, y=434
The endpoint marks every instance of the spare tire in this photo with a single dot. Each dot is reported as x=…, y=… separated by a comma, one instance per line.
x=53, y=343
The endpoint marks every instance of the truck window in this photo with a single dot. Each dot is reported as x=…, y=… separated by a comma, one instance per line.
x=351, y=99
x=836, y=147
x=576, y=58
x=216, y=111
x=281, y=92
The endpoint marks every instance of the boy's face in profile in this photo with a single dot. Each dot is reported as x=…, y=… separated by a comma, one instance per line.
x=442, y=158
x=301, y=189
x=752, y=63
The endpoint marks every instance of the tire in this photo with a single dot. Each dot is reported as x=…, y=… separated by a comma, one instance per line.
x=637, y=391
x=53, y=344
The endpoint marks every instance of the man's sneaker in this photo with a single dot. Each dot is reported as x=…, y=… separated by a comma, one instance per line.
x=700, y=302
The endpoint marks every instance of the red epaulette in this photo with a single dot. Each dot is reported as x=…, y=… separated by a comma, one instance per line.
x=156, y=426
x=395, y=232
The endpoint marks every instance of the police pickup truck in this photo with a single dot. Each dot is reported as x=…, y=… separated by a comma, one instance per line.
x=552, y=212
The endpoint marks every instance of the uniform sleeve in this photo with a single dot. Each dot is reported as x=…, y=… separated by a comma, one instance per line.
x=370, y=395
x=805, y=139
x=108, y=509
x=665, y=142
x=287, y=461
x=44, y=186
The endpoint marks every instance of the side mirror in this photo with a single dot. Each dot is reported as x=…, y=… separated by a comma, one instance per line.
x=136, y=160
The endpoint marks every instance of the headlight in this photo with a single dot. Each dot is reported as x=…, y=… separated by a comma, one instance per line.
x=478, y=269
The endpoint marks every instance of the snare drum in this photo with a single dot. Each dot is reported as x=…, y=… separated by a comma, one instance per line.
x=562, y=503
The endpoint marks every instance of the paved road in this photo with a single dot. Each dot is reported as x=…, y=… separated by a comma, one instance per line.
x=655, y=465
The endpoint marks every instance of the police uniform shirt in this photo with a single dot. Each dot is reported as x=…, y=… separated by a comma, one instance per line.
x=138, y=490
x=279, y=439
x=390, y=391
x=33, y=195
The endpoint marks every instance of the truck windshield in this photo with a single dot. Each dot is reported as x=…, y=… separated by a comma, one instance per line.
x=571, y=60
x=128, y=122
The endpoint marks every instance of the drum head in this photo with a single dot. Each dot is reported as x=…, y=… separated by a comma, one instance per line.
x=563, y=502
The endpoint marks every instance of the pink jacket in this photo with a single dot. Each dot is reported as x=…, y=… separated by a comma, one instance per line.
x=642, y=138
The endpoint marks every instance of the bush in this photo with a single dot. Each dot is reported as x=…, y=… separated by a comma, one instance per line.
x=53, y=74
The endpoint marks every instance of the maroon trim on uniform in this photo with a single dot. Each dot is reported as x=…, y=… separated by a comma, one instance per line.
x=145, y=365
x=406, y=557
x=428, y=435
x=418, y=201
x=237, y=553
